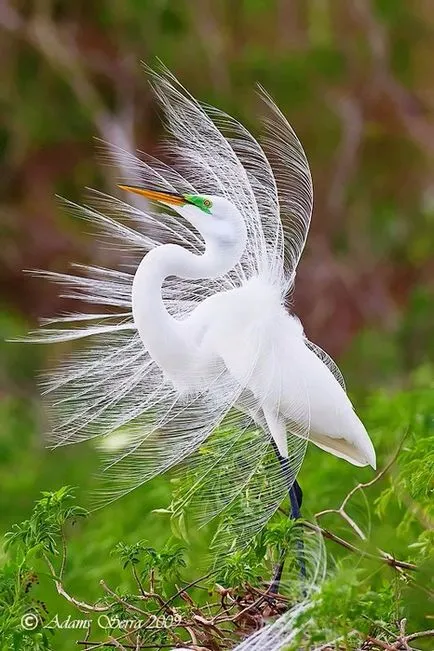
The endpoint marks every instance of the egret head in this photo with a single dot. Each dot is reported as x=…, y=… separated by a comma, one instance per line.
x=216, y=218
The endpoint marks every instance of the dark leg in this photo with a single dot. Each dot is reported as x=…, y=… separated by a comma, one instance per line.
x=298, y=493
x=294, y=491
x=295, y=497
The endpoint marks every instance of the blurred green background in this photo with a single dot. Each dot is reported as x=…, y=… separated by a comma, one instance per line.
x=354, y=79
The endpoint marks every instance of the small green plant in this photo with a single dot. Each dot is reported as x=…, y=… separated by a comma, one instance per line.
x=43, y=532
x=42, y=535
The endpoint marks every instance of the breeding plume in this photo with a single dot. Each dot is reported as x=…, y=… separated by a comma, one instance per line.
x=190, y=349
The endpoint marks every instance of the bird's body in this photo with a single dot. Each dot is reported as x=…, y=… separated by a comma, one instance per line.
x=197, y=345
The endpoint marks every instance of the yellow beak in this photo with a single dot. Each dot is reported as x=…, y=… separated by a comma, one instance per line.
x=153, y=195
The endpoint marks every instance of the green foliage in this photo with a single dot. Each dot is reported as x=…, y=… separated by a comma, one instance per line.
x=347, y=609
x=29, y=540
x=131, y=554
x=42, y=532
x=238, y=568
x=165, y=565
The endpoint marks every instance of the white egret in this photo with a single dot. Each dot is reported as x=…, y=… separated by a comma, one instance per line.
x=195, y=343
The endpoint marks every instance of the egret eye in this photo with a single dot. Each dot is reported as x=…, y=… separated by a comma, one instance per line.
x=200, y=202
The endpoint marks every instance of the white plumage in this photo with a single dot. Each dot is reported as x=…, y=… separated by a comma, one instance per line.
x=193, y=343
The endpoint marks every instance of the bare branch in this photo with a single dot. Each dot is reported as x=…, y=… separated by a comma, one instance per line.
x=121, y=601
x=81, y=605
x=386, y=558
x=417, y=636
x=341, y=510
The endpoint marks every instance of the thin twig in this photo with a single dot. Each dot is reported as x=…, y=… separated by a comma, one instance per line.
x=380, y=643
x=64, y=553
x=389, y=560
x=139, y=583
x=124, y=603
x=187, y=587
x=341, y=510
x=81, y=605
x=116, y=644
x=419, y=634
x=93, y=645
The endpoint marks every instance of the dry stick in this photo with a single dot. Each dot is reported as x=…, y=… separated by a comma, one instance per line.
x=341, y=510
x=276, y=595
x=192, y=635
x=164, y=606
x=93, y=645
x=389, y=560
x=134, y=608
x=380, y=643
x=154, y=595
x=122, y=601
x=244, y=611
x=416, y=636
x=187, y=587
x=117, y=644
x=81, y=605
x=139, y=583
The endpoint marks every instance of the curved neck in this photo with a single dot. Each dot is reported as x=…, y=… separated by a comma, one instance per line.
x=160, y=332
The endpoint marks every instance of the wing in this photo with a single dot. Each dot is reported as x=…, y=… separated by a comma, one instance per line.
x=328, y=361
